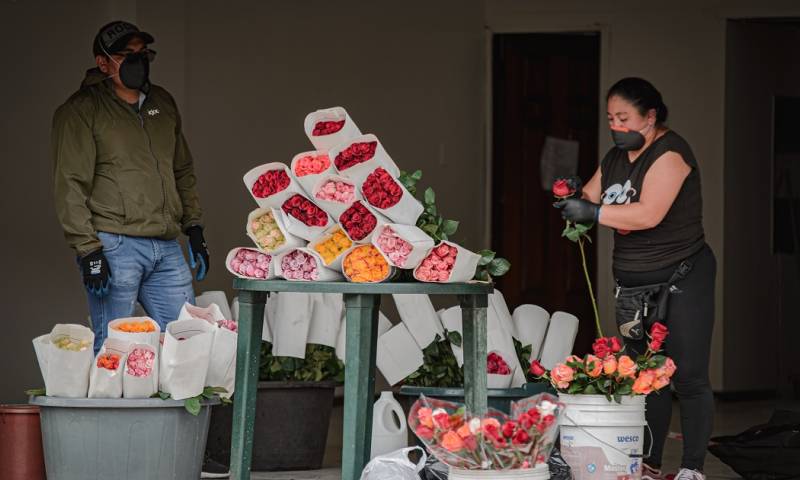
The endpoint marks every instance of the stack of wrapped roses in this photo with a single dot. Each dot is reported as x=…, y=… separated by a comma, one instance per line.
x=340, y=212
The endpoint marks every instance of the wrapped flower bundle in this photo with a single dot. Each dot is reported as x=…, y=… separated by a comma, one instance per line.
x=493, y=442
x=140, y=362
x=366, y=264
x=72, y=344
x=381, y=190
x=306, y=211
x=228, y=325
x=299, y=265
x=333, y=246
x=336, y=191
x=438, y=264
x=267, y=233
x=312, y=164
x=327, y=128
x=251, y=263
x=135, y=327
x=358, y=221
x=109, y=361
x=393, y=246
x=355, y=154
x=270, y=183
x=496, y=364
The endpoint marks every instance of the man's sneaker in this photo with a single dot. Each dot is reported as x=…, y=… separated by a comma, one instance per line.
x=650, y=473
x=689, y=474
x=214, y=469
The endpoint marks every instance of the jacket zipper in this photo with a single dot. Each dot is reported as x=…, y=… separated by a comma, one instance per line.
x=158, y=168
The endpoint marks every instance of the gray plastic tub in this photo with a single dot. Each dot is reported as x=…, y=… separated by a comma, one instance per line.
x=122, y=439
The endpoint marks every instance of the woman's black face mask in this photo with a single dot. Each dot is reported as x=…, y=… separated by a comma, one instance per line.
x=135, y=70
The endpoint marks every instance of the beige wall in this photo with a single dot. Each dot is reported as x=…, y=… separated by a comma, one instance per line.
x=680, y=47
x=244, y=74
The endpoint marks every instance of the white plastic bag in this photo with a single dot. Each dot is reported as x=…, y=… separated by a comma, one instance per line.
x=395, y=466
x=185, y=357
x=148, y=338
x=104, y=382
x=142, y=386
x=65, y=372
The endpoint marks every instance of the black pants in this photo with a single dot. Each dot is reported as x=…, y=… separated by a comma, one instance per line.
x=690, y=320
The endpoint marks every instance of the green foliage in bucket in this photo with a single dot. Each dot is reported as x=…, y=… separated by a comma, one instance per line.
x=440, y=367
x=320, y=364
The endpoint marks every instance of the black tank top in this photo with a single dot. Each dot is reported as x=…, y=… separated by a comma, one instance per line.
x=680, y=233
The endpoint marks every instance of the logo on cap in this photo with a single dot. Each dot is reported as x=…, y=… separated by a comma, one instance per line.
x=117, y=30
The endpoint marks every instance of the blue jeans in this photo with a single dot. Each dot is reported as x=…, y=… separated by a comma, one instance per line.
x=149, y=270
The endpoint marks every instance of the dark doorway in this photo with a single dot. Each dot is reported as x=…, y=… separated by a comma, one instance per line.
x=544, y=85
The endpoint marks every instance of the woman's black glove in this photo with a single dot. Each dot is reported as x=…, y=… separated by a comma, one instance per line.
x=578, y=210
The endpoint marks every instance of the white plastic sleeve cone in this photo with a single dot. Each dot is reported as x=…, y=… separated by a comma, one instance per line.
x=270, y=310
x=215, y=297
x=141, y=387
x=105, y=383
x=500, y=306
x=560, y=339
x=531, y=322
x=291, y=323
x=308, y=181
x=332, y=207
x=336, y=263
x=297, y=228
x=358, y=172
x=149, y=338
x=276, y=199
x=335, y=114
x=323, y=274
x=222, y=365
x=326, y=318
x=500, y=340
x=341, y=342
x=185, y=357
x=420, y=242
x=398, y=355
x=68, y=371
x=451, y=320
x=417, y=313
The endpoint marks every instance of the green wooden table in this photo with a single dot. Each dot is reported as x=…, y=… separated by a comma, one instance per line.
x=362, y=302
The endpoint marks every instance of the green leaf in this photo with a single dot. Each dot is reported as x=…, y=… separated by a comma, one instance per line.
x=417, y=175
x=430, y=196
x=572, y=234
x=590, y=390
x=499, y=267
x=226, y=401
x=454, y=338
x=35, y=392
x=192, y=405
x=482, y=275
x=164, y=395
x=618, y=397
x=574, y=388
x=431, y=210
x=486, y=257
x=625, y=389
x=449, y=227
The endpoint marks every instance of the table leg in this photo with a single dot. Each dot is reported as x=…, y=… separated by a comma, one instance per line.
x=248, y=351
x=473, y=322
x=359, y=382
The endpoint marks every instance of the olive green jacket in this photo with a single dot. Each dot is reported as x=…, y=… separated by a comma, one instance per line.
x=119, y=171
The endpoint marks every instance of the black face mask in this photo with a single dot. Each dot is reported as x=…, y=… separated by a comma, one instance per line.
x=135, y=70
x=627, y=139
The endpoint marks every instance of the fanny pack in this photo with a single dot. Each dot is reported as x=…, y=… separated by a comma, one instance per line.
x=637, y=308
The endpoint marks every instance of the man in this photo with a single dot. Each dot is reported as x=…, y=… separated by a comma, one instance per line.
x=125, y=186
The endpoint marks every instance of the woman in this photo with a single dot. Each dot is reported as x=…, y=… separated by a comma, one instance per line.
x=648, y=190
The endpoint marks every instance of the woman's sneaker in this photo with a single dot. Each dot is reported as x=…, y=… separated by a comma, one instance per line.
x=689, y=474
x=214, y=469
x=650, y=473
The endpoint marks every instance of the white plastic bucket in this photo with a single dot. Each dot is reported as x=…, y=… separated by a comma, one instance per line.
x=602, y=440
x=388, y=434
x=540, y=472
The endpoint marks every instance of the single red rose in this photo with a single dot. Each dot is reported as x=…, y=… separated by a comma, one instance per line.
x=521, y=438
x=537, y=369
x=561, y=188
x=442, y=420
x=616, y=346
x=470, y=443
x=659, y=332
x=601, y=347
x=508, y=429
x=655, y=345
x=424, y=432
x=526, y=421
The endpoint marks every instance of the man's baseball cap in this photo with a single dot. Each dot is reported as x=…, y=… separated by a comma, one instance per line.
x=115, y=36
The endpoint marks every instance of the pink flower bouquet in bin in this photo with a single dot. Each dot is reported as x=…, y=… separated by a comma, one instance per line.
x=309, y=167
x=447, y=263
x=140, y=376
x=494, y=441
x=249, y=263
x=303, y=264
x=271, y=184
x=404, y=245
x=335, y=194
x=329, y=127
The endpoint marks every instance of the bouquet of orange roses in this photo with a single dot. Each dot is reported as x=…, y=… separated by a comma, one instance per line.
x=610, y=371
x=495, y=441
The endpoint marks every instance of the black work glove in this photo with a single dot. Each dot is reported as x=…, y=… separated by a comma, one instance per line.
x=198, y=251
x=96, y=273
x=574, y=183
x=577, y=210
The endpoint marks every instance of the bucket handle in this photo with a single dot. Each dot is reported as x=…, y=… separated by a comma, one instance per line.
x=629, y=455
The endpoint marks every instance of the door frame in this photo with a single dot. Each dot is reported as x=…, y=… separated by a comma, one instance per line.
x=515, y=22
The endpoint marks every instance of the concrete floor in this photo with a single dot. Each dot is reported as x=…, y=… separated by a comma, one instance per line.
x=729, y=418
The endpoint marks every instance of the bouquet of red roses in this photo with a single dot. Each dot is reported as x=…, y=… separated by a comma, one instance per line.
x=495, y=441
